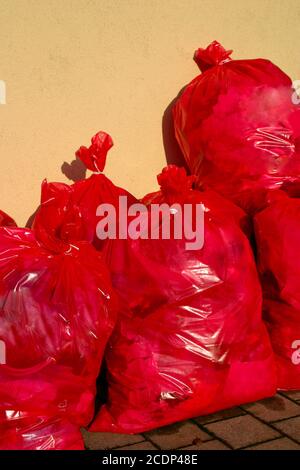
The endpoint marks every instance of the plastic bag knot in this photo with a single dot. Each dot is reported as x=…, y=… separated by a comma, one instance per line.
x=94, y=156
x=174, y=181
x=214, y=54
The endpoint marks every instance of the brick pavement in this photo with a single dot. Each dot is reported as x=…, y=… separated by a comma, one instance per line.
x=272, y=424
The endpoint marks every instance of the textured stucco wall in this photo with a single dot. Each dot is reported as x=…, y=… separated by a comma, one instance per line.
x=73, y=67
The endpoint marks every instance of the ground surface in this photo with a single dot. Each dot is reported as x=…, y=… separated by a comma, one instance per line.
x=272, y=424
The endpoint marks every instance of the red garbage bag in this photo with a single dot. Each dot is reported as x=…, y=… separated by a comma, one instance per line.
x=238, y=127
x=189, y=338
x=21, y=431
x=56, y=314
x=277, y=230
x=6, y=220
x=97, y=189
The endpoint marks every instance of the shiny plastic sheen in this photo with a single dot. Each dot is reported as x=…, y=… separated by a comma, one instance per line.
x=56, y=314
x=190, y=338
x=88, y=194
x=238, y=127
x=277, y=230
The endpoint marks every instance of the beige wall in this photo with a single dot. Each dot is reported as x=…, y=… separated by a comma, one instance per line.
x=73, y=67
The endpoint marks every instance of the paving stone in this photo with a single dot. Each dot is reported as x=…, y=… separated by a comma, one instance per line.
x=242, y=431
x=282, y=443
x=209, y=445
x=145, y=445
x=294, y=395
x=178, y=435
x=230, y=413
x=291, y=427
x=273, y=409
x=106, y=440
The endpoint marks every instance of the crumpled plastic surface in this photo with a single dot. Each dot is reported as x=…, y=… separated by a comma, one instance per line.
x=57, y=311
x=25, y=431
x=88, y=194
x=189, y=338
x=277, y=230
x=238, y=128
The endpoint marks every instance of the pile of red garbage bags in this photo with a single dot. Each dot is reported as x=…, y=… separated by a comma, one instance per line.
x=182, y=329
x=189, y=339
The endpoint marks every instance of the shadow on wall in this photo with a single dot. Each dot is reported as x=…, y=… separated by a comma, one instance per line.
x=31, y=219
x=173, y=152
x=74, y=171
